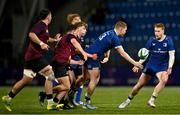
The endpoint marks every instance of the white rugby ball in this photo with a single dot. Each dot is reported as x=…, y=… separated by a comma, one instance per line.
x=143, y=53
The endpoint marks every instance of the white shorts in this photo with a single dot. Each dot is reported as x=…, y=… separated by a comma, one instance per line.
x=29, y=73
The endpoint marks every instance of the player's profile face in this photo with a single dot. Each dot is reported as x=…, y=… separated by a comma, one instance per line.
x=82, y=31
x=122, y=31
x=49, y=17
x=76, y=20
x=159, y=32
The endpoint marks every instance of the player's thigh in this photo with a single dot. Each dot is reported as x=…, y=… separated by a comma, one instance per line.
x=46, y=70
x=34, y=66
x=27, y=79
x=71, y=76
x=94, y=74
x=65, y=81
x=85, y=73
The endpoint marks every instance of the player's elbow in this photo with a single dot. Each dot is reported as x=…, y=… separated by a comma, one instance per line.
x=31, y=34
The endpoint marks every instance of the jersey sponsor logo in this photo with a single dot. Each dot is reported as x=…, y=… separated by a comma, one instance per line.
x=160, y=51
x=164, y=44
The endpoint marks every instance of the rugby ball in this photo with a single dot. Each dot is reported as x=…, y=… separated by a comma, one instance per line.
x=143, y=53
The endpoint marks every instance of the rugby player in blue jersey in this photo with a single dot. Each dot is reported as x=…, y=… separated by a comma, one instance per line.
x=159, y=64
x=106, y=41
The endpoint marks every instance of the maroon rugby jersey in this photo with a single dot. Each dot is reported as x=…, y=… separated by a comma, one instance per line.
x=64, y=49
x=34, y=50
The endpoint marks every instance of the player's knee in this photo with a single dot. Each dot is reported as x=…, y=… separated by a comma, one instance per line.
x=50, y=76
x=67, y=87
x=46, y=71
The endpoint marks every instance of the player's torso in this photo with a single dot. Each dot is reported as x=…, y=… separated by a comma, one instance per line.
x=34, y=50
x=65, y=49
x=159, y=54
x=103, y=43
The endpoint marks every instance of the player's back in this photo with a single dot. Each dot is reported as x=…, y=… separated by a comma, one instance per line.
x=105, y=42
x=64, y=49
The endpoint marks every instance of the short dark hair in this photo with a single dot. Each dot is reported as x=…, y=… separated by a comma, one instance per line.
x=43, y=14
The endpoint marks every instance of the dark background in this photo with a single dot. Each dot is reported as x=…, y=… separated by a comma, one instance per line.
x=16, y=17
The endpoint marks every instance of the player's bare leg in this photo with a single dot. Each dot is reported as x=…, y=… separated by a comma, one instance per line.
x=15, y=90
x=141, y=82
x=94, y=76
x=163, y=78
x=63, y=88
x=49, y=74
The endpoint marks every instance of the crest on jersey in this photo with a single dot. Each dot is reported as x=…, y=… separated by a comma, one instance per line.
x=153, y=44
x=164, y=44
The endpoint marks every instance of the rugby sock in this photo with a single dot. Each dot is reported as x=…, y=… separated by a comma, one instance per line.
x=153, y=98
x=130, y=97
x=78, y=95
x=56, y=100
x=50, y=98
x=87, y=98
x=11, y=95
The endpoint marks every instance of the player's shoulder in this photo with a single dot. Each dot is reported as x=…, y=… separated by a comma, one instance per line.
x=152, y=39
x=110, y=32
x=70, y=36
x=168, y=37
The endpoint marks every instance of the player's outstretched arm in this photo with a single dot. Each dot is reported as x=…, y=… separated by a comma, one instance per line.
x=128, y=58
x=79, y=48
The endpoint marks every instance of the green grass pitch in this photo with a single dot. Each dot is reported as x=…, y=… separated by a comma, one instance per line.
x=105, y=98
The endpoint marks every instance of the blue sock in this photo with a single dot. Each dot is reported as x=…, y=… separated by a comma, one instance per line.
x=78, y=94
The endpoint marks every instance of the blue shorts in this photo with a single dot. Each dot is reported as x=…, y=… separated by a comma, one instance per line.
x=77, y=69
x=55, y=83
x=92, y=64
x=152, y=70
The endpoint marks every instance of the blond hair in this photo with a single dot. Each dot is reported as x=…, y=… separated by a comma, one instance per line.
x=70, y=17
x=159, y=25
x=120, y=24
